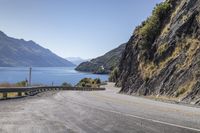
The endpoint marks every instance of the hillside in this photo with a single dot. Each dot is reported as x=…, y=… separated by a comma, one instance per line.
x=162, y=58
x=103, y=64
x=18, y=52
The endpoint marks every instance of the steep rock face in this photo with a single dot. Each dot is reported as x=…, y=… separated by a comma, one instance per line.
x=18, y=52
x=108, y=61
x=165, y=63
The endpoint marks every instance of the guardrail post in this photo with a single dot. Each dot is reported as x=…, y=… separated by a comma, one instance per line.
x=19, y=94
x=5, y=95
x=26, y=93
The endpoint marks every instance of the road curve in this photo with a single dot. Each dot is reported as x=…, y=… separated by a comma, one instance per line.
x=95, y=112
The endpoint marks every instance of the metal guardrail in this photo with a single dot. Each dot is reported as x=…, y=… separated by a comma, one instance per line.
x=28, y=91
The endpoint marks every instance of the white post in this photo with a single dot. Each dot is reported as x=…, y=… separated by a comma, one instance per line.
x=30, y=72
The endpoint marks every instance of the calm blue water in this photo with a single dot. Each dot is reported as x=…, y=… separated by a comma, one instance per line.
x=46, y=75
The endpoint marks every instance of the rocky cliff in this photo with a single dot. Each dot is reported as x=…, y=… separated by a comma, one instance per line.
x=162, y=58
x=103, y=64
x=18, y=52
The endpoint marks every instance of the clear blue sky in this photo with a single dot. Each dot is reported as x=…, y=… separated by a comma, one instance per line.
x=71, y=28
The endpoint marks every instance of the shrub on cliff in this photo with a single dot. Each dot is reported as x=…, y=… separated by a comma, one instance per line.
x=114, y=75
x=152, y=27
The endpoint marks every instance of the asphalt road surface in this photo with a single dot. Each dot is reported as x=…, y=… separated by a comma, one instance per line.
x=95, y=112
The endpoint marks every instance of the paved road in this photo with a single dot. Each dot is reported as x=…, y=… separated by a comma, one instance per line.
x=95, y=112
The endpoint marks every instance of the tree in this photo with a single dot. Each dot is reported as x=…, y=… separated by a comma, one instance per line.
x=65, y=84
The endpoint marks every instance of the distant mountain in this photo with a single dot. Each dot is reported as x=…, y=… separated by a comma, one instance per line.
x=18, y=52
x=103, y=64
x=76, y=60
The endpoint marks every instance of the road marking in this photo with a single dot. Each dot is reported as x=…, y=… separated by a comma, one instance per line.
x=139, y=117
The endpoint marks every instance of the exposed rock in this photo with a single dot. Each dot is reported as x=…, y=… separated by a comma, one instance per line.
x=170, y=64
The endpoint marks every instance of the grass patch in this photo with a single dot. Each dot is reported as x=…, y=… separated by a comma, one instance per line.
x=190, y=45
x=18, y=84
x=166, y=30
x=162, y=48
x=185, y=88
x=150, y=69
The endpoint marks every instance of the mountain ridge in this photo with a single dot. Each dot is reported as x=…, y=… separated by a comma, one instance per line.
x=103, y=64
x=18, y=52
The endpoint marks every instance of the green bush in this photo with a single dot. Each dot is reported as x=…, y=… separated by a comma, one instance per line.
x=97, y=81
x=21, y=84
x=152, y=26
x=114, y=75
x=65, y=84
x=89, y=82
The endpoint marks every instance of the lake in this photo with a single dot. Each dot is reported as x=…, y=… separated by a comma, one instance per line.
x=46, y=75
